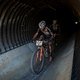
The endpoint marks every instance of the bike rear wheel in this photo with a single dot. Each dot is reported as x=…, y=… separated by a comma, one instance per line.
x=37, y=63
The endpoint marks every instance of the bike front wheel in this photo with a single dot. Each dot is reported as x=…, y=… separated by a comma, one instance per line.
x=37, y=62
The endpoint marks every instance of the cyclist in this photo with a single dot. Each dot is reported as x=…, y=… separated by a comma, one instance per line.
x=44, y=33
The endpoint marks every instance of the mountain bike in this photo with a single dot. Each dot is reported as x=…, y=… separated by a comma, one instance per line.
x=38, y=58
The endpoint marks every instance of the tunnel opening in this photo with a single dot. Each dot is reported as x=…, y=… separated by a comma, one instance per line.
x=65, y=16
x=44, y=13
x=47, y=14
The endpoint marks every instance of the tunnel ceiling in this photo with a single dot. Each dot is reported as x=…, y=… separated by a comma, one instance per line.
x=39, y=3
x=19, y=19
x=53, y=3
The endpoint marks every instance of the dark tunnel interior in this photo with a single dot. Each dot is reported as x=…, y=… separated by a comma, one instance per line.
x=19, y=21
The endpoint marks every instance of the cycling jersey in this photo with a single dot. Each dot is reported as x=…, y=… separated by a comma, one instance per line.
x=46, y=33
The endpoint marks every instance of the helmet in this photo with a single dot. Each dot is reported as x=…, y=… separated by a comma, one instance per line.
x=42, y=24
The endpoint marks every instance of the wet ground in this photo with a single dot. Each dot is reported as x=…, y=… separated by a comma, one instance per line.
x=16, y=64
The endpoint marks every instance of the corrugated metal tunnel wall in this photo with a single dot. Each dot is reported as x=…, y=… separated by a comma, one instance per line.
x=17, y=23
x=13, y=21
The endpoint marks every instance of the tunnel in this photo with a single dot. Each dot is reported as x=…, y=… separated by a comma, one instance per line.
x=19, y=22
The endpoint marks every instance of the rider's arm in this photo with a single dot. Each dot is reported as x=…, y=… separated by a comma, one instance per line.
x=35, y=35
x=52, y=35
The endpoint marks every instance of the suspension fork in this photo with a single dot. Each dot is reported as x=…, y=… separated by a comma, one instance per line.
x=40, y=56
x=41, y=53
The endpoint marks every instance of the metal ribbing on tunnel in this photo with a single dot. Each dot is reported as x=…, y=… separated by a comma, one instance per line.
x=9, y=26
x=12, y=25
x=21, y=25
x=18, y=24
x=28, y=27
x=3, y=11
x=13, y=28
x=30, y=21
x=4, y=27
x=18, y=18
x=4, y=32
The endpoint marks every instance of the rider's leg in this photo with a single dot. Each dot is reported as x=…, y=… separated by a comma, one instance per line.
x=50, y=50
x=41, y=53
x=50, y=47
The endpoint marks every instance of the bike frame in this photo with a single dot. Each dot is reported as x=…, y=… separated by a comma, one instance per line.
x=41, y=49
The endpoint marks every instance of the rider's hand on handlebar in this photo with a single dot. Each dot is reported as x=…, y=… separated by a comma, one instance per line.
x=54, y=35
